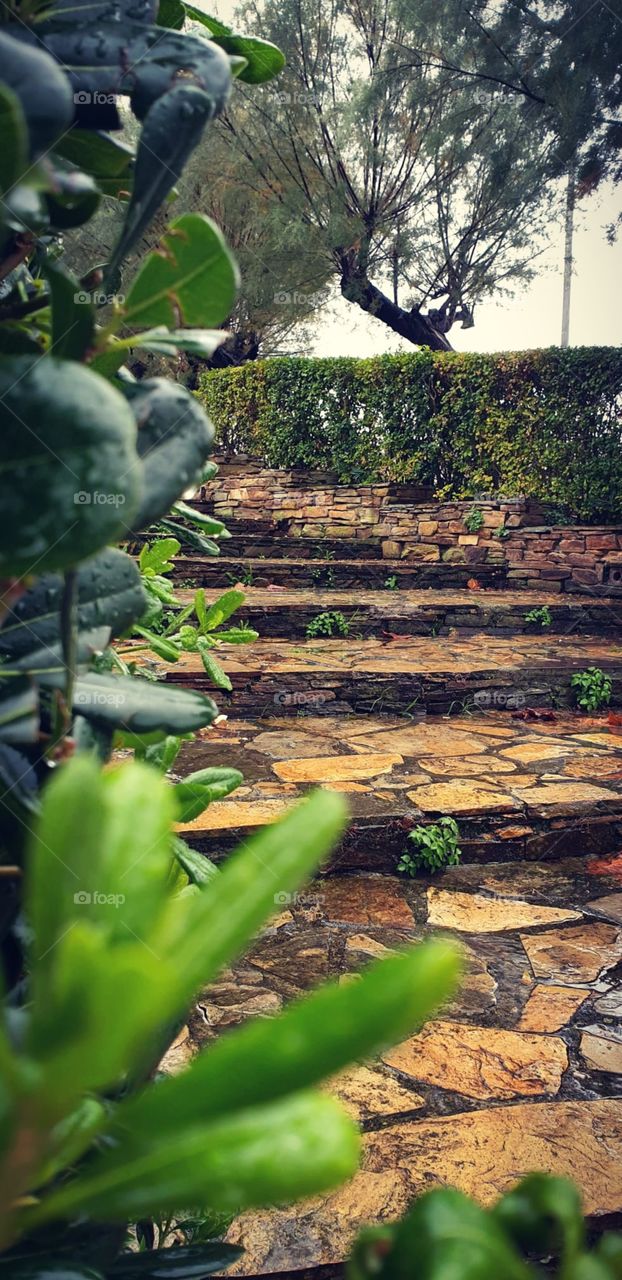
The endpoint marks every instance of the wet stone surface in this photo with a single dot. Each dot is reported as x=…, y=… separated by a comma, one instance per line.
x=523, y=1070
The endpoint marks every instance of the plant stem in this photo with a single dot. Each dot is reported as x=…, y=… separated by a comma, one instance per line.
x=69, y=636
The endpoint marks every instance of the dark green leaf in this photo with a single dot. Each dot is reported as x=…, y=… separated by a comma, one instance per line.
x=108, y=161
x=19, y=711
x=19, y=792
x=191, y=280
x=198, y=868
x=171, y=13
x=42, y=89
x=174, y=439
x=108, y=589
x=200, y=789
x=13, y=131
x=165, y=649
x=71, y=196
x=140, y=706
x=167, y=342
x=73, y=316
x=69, y=437
x=445, y=1233
x=263, y=58
x=191, y=538
x=217, y=675
x=190, y=1262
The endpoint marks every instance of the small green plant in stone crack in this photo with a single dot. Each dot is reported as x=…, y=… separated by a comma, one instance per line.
x=90, y=1141
x=391, y=583
x=501, y=532
x=540, y=617
x=445, y=1233
x=170, y=628
x=431, y=847
x=325, y=625
x=474, y=520
x=323, y=575
x=592, y=689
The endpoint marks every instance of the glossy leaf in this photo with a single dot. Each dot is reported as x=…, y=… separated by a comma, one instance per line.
x=69, y=437
x=108, y=587
x=191, y=280
x=41, y=88
x=198, y=790
x=109, y=161
x=209, y=524
x=314, y=1038
x=294, y=1148
x=73, y=316
x=19, y=711
x=446, y=1234
x=222, y=609
x=216, y=673
x=264, y=60
x=15, y=137
x=140, y=707
x=171, y=13
x=198, y=868
x=174, y=439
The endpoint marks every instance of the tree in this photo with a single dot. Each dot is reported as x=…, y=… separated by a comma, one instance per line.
x=425, y=196
x=283, y=275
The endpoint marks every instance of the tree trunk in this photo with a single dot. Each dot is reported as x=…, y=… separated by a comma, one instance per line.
x=568, y=255
x=412, y=325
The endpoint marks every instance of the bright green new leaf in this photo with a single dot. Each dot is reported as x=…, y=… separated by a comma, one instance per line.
x=314, y=1038
x=222, y=608
x=200, y=789
x=216, y=673
x=295, y=1148
x=191, y=280
x=157, y=557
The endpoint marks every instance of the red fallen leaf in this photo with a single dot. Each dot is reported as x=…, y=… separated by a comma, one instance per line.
x=614, y=718
x=474, y=585
x=605, y=866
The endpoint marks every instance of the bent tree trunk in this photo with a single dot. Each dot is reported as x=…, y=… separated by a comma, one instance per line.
x=412, y=325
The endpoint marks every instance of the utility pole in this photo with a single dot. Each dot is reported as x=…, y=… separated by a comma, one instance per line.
x=568, y=253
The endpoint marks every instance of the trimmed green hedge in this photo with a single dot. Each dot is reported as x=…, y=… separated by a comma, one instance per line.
x=545, y=424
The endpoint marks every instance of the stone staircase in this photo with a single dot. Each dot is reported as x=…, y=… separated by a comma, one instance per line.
x=440, y=699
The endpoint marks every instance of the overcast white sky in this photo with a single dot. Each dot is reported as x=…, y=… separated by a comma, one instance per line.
x=531, y=317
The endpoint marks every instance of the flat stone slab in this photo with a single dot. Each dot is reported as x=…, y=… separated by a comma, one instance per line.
x=481, y=1062
x=399, y=773
x=482, y=1153
x=521, y=1071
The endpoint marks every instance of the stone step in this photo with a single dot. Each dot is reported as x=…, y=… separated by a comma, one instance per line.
x=287, y=613
x=444, y=675
x=521, y=1071
x=277, y=546
x=200, y=571
x=518, y=789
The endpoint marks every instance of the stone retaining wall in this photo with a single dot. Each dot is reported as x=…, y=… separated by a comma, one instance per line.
x=410, y=526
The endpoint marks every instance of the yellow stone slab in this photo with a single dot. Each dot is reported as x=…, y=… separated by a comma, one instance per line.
x=462, y=798
x=565, y=793
x=531, y=752
x=481, y=1062
x=612, y=741
x=602, y=1052
x=483, y=1153
x=579, y=953
x=335, y=768
x=366, y=1091
x=477, y=913
x=426, y=740
x=228, y=815
x=550, y=1007
x=466, y=768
